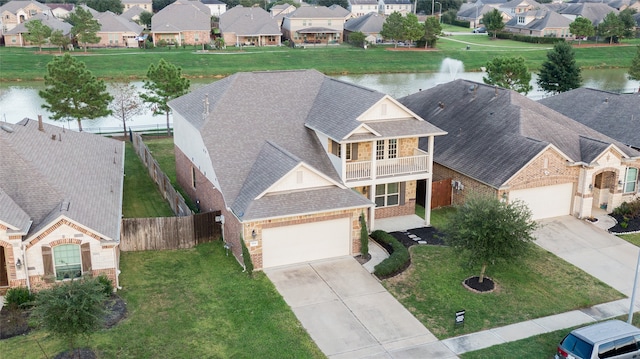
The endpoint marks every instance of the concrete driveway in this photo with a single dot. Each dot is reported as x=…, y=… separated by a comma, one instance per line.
x=592, y=249
x=349, y=314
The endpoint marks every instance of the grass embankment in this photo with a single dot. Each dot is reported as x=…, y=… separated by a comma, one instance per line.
x=26, y=64
x=632, y=238
x=192, y=303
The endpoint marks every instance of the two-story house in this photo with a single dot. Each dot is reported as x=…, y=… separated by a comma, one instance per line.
x=540, y=23
x=362, y=7
x=315, y=25
x=146, y=5
x=16, y=36
x=294, y=158
x=388, y=7
x=182, y=22
x=16, y=12
x=217, y=7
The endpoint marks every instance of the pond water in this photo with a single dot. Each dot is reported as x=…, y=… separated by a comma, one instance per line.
x=20, y=100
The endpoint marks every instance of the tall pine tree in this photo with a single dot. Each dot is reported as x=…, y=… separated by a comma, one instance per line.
x=560, y=73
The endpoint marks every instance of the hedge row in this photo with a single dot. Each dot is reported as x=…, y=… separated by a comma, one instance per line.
x=461, y=23
x=525, y=38
x=398, y=260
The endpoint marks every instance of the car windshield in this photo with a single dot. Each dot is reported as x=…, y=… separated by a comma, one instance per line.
x=577, y=346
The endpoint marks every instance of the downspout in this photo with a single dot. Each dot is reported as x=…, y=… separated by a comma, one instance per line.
x=25, y=265
x=427, y=201
x=116, y=258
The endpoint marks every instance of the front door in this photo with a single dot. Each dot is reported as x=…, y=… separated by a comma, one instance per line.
x=4, y=277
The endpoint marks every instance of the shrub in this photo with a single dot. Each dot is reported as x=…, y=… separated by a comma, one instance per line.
x=628, y=209
x=364, y=237
x=19, y=297
x=460, y=23
x=531, y=39
x=398, y=260
x=107, y=286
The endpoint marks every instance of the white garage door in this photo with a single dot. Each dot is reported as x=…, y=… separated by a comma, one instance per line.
x=547, y=201
x=305, y=242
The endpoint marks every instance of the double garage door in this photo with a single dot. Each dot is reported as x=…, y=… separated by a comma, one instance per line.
x=547, y=201
x=305, y=242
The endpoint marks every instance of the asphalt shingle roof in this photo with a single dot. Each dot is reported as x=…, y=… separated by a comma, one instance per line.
x=77, y=174
x=110, y=22
x=543, y=19
x=370, y=23
x=321, y=12
x=15, y=5
x=51, y=21
x=596, y=12
x=494, y=132
x=247, y=21
x=182, y=15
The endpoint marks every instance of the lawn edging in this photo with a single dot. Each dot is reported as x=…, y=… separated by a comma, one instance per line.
x=398, y=260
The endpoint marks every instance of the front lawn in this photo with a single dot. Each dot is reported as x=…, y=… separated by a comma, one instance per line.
x=538, y=286
x=192, y=303
x=631, y=238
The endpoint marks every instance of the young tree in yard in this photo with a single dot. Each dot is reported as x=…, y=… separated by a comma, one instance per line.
x=611, y=27
x=413, y=30
x=357, y=39
x=84, y=27
x=634, y=70
x=126, y=103
x=57, y=38
x=38, y=33
x=71, y=309
x=432, y=30
x=628, y=22
x=72, y=91
x=581, y=27
x=393, y=28
x=493, y=21
x=145, y=19
x=560, y=73
x=164, y=83
x=509, y=72
x=486, y=230
x=327, y=3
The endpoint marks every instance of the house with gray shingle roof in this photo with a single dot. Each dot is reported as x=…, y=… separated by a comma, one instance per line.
x=216, y=7
x=315, y=25
x=117, y=31
x=596, y=12
x=16, y=12
x=60, y=204
x=292, y=159
x=133, y=13
x=16, y=36
x=503, y=144
x=370, y=25
x=182, y=22
x=540, y=23
x=362, y=7
x=388, y=7
x=146, y=5
x=249, y=26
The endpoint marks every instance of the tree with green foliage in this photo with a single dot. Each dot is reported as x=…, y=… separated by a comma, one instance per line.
x=71, y=309
x=611, y=27
x=493, y=22
x=164, y=83
x=38, y=33
x=219, y=43
x=634, y=69
x=486, y=230
x=559, y=72
x=509, y=72
x=432, y=29
x=126, y=103
x=582, y=27
x=357, y=39
x=161, y=4
x=364, y=237
x=59, y=39
x=282, y=2
x=626, y=16
x=115, y=6
x=327, y=3
x=84, y=27
x=393, y=28
x=145, y=19
x=413, y=29
x=73, y=92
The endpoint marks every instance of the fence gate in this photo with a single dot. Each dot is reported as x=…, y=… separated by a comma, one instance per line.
x=440, y=193
x=205, y=228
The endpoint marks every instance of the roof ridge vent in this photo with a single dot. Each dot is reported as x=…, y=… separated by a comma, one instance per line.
x=7, y=128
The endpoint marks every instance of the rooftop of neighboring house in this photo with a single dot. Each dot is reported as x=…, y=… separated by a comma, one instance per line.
x=51, y=173
x=471, y=12
x=247, y=21
x=51, y=21
x=595, y=12
x=15, y=5
x=615, y=115
x=363, y=2
x=136, y=1
x=543, y=19
x=110, y=22
x=255, y=133
x=322, y=12
x=370, y=23
x=494, y=132
x=134, y=11
x=182, y=15
x=398, y=2
x=68, y=7
x=522, y=3
x=212, y=2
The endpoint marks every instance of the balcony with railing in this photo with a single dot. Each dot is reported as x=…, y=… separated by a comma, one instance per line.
x=400, y=166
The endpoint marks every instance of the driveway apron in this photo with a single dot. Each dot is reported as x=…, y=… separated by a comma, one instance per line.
x=592, y=249
x=349, y=314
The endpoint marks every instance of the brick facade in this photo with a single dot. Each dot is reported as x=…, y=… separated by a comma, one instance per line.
x=471, y=186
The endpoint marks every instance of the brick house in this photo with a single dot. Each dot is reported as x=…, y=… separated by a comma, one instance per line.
x=16, y=36
x=293, y=158
x=315, y=25
x=388, y=7
x=60, y=205
x=540, y=23
x=16, y=12
x=503, y=144
x=146, y=5
x=182, y=22
x=249, y=26
x=117, y=31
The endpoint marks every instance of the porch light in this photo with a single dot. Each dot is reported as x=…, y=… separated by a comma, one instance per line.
x=253, y=234
x=590, y=186
x=18, y=263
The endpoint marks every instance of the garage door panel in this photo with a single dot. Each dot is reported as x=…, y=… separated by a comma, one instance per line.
x=306, y=242
x=546, y=201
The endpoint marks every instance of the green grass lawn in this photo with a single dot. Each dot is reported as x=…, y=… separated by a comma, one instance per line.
x=192, y=303
x=632, y=238
x=537, y=286
x=141, y=197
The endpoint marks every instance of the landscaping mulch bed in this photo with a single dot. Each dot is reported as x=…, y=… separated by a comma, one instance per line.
x=423, y=235
x=633, y=225
x=13, y=322
x=79, y=353
x=473, y=284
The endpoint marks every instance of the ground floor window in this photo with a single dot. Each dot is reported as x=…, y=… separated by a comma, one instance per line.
x=387, y=194
x=631, y=180
x=67, y=261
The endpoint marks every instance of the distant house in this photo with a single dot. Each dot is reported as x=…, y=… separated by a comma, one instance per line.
x=146, y=5
x=16, y=12
x=540, y=23
x=15, y=37
x=182, y=22
x=217, y=7
x=60, y=205
x=515, y=7
x=315, y=25
x=278, y=12
x=388, y=7
x=370, y=25
x=61, y=11
x=249, y=26
x=117, y=31
x=473, y=13
x=133, y=14
x=596, y=12
x=362, y=7
x=503, y=144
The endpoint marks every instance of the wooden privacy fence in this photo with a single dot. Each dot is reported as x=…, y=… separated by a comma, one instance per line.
x=145, y=234
x=175, y=199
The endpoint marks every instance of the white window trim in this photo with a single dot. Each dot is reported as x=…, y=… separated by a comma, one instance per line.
x=55, y=266
x=387, y=195
x=633, y=182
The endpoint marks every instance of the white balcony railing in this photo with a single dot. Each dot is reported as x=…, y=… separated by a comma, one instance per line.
x=361, y=170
